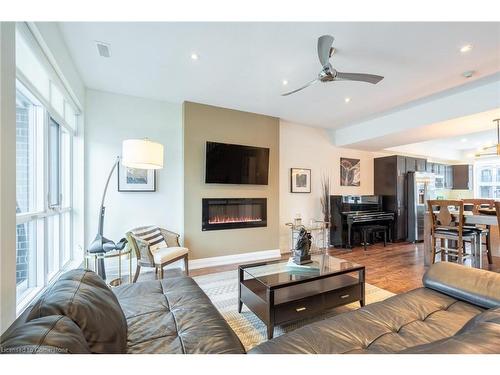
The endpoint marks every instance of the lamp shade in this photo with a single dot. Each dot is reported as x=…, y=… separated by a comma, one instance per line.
x=142, y=154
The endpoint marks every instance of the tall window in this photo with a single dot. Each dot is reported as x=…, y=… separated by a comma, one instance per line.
x=487, y=178
x=46, y=124
x=43, y=193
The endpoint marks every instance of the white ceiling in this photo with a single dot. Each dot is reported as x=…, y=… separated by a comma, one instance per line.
x=242, y=65
x=465, y=136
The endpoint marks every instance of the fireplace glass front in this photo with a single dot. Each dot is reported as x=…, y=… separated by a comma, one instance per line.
x=233, y=213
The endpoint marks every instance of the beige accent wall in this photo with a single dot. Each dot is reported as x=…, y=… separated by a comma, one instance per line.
x=204, y=123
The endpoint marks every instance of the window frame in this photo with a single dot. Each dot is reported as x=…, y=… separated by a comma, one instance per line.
x=479, y=166
x=39, y=277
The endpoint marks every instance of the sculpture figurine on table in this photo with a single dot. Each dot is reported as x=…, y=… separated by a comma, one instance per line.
x=301, y=253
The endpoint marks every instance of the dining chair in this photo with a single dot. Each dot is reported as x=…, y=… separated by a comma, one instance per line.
x=497, y=209
x=448, y=225
x=483, y=230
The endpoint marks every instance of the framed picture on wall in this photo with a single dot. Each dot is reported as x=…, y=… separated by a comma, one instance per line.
x=300, y=180
x=350, y=172
x=136, y=180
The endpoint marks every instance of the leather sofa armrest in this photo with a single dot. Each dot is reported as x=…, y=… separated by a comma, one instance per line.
x=479, y=287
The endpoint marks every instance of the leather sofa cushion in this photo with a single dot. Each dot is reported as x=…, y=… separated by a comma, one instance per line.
x=481, y=335
x=475, y=286
x=418, y=317
x=83, y=297
x=174, y=315
x=54, y=334
x=489, y=316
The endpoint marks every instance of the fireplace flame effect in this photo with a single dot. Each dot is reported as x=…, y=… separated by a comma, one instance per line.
x=229, y=219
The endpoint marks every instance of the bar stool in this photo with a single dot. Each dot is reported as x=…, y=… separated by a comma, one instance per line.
x=449, y=225
x=483, y=230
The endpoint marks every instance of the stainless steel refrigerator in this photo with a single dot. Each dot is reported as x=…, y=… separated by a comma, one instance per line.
x=421, y=188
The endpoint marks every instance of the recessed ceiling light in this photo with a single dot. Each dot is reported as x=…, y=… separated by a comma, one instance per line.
x=194, y=56
x=466, y=48
x=347, y=100
x=463, y=140
x=285, y=82
x=468, y=73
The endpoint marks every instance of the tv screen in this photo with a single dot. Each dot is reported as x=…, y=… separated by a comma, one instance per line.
x=236, y=164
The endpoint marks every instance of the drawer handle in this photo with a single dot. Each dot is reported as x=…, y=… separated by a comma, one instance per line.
x=300, y=309
x=345, y=296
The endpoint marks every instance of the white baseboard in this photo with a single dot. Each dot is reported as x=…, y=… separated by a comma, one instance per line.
x=112, y=263
x=232, y=259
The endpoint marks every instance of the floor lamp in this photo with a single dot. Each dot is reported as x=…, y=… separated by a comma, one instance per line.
x=136, y=153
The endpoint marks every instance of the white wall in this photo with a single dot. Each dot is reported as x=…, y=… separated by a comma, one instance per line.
x=7, y=175
x=111, y=118
x=307, y=147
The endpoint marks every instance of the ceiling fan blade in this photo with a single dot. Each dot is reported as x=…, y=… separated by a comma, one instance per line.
x=325, y=42
x=370, y=78
x=301, y=88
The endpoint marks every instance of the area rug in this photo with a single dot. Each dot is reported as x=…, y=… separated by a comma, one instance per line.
x=222, y=289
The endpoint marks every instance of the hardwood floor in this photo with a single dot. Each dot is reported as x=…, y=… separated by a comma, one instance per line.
x=397, y=267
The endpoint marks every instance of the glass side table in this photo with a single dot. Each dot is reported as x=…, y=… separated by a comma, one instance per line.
x=112, y=254
x=318, y=231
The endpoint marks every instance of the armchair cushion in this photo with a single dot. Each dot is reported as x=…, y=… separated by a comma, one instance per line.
x=164, y=254
x=152, y=235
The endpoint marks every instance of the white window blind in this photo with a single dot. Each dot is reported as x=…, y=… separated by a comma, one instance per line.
x=36, y=72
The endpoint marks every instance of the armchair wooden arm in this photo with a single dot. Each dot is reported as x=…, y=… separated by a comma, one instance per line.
x=171, y=238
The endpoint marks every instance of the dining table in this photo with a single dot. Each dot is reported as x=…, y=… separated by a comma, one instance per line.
x=490, y=221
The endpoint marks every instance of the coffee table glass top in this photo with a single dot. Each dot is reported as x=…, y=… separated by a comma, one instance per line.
x=282, y=272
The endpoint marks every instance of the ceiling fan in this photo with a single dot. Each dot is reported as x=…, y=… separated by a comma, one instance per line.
x=328, y=73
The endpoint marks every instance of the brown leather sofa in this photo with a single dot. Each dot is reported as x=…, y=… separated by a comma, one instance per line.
x=80, y=314
x=457, y=311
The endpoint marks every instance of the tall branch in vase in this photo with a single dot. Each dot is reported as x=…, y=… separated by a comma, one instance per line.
x=325, y=198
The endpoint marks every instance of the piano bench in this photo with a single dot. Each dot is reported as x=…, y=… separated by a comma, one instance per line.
x=373, y=229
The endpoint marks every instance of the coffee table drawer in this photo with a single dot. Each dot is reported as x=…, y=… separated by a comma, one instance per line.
x=299, y=309
x=342, y=296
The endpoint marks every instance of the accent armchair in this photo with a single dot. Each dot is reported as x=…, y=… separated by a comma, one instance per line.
x=159, y=257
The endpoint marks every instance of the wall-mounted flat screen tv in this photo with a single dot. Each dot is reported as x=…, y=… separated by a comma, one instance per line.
x=236, y=164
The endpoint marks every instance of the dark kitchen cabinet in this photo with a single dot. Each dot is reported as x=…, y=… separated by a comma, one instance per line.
x=390, y=183
x=420, y=165
x=462, y=176
x=411, y=164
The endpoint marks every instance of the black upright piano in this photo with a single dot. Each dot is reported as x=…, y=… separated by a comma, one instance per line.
x=349, y=211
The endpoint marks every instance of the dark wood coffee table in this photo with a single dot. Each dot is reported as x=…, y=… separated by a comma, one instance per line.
x=279, y=294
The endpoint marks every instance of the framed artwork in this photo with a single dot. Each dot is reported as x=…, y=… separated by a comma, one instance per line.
x=300, y=180
x=136, y=180
x=350, y=172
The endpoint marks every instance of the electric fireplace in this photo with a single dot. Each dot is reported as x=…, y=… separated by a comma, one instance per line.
x=232, y=213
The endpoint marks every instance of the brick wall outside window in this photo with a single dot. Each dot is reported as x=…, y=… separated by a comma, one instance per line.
x=22, y=191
